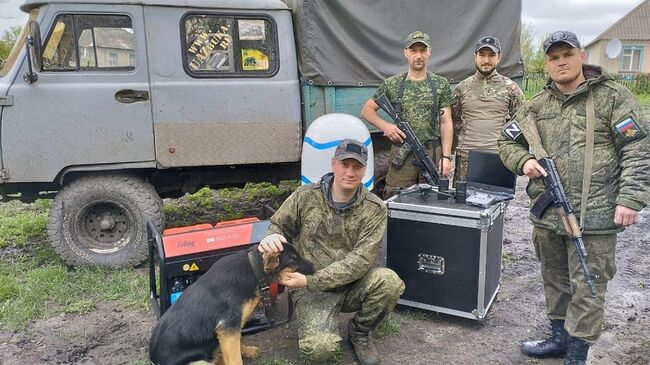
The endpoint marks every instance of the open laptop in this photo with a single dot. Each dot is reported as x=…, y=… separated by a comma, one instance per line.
x=488, y=180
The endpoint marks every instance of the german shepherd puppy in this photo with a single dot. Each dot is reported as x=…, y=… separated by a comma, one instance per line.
x=213, y=310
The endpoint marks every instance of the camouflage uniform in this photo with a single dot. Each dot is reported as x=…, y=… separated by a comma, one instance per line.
x=342, y=242
x=620, y=177
x=483, y=105
x=418, y=111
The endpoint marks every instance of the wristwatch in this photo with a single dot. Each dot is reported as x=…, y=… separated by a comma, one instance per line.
x=447, y=157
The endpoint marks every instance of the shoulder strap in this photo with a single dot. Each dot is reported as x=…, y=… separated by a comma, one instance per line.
x=589, y=156
x=400, y=94
x=436, y=110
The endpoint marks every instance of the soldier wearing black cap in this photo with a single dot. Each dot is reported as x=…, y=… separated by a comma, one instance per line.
x=595, y=132
x=485, y=101
x=338, y=225
x=423, y=99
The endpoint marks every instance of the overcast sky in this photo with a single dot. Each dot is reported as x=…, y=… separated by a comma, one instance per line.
x=587, y=18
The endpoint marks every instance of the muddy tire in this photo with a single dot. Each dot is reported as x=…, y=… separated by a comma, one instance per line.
x=101, y=220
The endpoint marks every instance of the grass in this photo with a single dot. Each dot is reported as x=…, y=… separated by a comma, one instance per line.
x=643, y=99
x=388, y=328
x=20, y=223
x=36, y=284
x=43, y=286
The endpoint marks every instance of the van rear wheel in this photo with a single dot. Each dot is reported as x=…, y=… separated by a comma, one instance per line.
x=102, y=220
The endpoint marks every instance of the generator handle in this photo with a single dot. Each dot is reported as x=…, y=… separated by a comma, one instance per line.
x=155, y=241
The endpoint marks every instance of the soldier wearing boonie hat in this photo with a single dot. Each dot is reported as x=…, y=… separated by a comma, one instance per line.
x=423, y=100
x=595, y=133
x=480, y=112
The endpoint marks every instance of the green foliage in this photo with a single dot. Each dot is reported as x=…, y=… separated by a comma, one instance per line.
x=203, y=197
x=7, y=42
x=20, y=223
x=532, y=51
x=639, y=84
x=644, y=100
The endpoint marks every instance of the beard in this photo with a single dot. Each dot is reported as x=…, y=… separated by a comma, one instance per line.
x=485, y=72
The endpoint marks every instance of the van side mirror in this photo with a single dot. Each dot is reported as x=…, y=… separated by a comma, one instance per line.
x=33, y=47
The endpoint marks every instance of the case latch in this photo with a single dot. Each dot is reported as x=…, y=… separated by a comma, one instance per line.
x=431, y=264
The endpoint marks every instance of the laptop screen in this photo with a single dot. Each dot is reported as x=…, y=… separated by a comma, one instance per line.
x=486, y=169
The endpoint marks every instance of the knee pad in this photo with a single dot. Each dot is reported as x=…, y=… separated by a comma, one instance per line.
x=320, y=348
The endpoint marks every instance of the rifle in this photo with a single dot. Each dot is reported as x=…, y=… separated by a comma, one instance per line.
x=424, y=162
x=555, y=195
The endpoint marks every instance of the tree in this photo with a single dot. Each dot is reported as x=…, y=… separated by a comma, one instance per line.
x=531, y=50
x=7, y=41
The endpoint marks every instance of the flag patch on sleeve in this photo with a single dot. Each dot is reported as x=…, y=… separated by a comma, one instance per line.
x=512, y=130
x=628, y=128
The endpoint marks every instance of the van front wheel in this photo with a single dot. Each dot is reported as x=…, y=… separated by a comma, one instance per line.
x=102, y=220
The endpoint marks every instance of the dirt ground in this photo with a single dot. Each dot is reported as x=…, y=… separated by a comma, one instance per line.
x=112, y=335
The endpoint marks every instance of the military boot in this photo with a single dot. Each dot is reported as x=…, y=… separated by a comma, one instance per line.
x=365, y=350
x=554, y=346
x=577, y=352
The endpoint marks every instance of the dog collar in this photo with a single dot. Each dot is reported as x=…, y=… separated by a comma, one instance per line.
x=257, y=270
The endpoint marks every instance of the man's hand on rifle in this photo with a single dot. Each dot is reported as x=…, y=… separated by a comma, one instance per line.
x=625, y=216
x=392, y=132
x=445, y=166
x=533, y=169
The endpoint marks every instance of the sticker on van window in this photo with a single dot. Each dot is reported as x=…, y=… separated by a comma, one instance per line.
x=251, y=29
x=209, y=50
x=254, y=60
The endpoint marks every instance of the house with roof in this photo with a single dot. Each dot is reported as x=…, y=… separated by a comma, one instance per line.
x=633, y=31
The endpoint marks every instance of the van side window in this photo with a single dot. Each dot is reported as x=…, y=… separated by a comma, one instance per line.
x=229, y=46
x=79, y=42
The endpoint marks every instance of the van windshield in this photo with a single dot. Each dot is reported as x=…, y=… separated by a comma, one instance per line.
x=18, y=46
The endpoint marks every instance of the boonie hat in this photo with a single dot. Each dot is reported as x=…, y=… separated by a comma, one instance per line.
x=489, y=42
x=351, y=148
x=417, y=37
x=561, y=36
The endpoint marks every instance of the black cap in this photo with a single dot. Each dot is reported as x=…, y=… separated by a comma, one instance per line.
x=561, y=36
x=489, y=42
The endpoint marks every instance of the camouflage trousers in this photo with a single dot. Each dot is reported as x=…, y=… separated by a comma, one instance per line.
x=567, y=294
x=408, y=174
x=373, y=297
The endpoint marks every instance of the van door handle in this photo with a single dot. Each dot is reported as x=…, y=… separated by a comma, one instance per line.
x=128, y=96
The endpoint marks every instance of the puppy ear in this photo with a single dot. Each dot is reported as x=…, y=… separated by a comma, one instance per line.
x=271, y=262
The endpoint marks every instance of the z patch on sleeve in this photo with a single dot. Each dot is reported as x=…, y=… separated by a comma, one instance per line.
x=628, y=129
x=512, y=130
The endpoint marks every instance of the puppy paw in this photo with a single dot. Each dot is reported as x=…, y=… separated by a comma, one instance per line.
x=250, y=352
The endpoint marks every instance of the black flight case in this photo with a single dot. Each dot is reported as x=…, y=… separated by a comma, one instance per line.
x=448, y=254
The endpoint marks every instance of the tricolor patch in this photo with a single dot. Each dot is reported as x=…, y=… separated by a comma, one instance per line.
x=627, y=128
x=512, y=130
